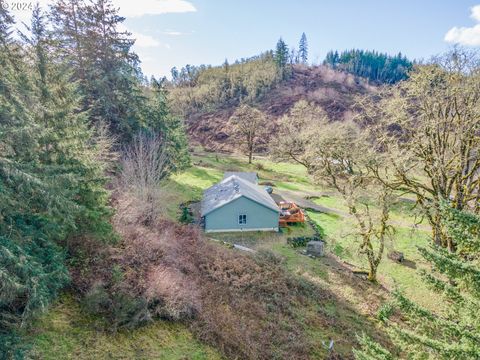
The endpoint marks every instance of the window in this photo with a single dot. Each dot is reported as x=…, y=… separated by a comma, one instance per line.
x=242, y=219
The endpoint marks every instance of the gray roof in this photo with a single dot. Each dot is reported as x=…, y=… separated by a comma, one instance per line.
x=249, y=176
x=232, y=188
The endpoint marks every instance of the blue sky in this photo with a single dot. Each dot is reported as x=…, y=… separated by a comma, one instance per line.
x=178, y=32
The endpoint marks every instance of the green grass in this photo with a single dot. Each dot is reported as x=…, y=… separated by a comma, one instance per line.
x=332, y=202
x=198, y=177
x=259, y=239
x=187, y=186
x=338, y=230
x=341, y=241
x=66, y=333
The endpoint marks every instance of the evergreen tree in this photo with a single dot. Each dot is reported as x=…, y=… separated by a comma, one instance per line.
x=32, y=268
x=51, y=175
x=303, y=49
x=281, y=57
x=170, y=127
x=66, y=141
x=91, y=39
x=456, y=277
x=67, y=19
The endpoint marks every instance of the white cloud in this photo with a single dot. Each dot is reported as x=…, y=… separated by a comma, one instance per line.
x=141, y=40
x=136, y=8
x=468, y=36
x=475, y=13
x=464, y=35
x=172, y=32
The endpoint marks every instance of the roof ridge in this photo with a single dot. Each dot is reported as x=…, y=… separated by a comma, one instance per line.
x=231, y=188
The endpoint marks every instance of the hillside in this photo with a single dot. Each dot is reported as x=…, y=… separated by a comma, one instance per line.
x=334, y=91
x=340, y=306
x=131, y=226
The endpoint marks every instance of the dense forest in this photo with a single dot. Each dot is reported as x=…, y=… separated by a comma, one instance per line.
x=375, y=66
x=71, y=96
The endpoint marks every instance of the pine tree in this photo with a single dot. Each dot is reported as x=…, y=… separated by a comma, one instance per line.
x=67, y=141
x=91, y=39
x=32, y=264
x=372, y=65
x=67, y=20
x=170, y=127
x=51, y=175
x=456, y=277
x=303, y=49
x=281, y=57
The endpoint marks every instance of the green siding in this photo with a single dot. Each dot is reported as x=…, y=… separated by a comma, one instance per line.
x=226, y=217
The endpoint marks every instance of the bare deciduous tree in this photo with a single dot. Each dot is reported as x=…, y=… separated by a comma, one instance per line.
x=144, y=166
x=249, y=123
x=294, y=133
x=429, y=126
x=344, y=160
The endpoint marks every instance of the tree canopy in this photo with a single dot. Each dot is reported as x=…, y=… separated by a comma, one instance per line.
x=375, y=66
x=70, y=93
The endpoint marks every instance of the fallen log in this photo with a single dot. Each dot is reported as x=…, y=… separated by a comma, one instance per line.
x=360, y=272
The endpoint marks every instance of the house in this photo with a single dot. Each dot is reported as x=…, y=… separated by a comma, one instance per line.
x=238, y=204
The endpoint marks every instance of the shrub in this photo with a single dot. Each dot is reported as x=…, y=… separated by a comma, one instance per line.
x=301, y=241
x=186, y=217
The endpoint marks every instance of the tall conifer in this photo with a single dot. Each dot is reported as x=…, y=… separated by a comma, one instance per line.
x=303, y=49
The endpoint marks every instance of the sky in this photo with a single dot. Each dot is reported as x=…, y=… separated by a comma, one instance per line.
x=178, y=32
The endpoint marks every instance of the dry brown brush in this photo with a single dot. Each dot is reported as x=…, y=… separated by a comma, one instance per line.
x=243, y=305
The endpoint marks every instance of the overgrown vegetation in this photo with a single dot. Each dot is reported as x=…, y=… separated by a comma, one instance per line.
x=70, y=92
x=199, y=89
x=162, y=270
x=428, y=126
x=77, y=117
x=206, y=88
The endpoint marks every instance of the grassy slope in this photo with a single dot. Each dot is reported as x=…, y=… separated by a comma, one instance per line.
x=338, y=229
x=64, y=332
x=351, y=306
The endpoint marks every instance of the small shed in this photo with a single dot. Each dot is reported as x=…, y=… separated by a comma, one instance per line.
x=249, y=176
x=237, y=204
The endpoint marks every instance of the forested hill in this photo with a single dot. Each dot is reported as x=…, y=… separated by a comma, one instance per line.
x=207, y=97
